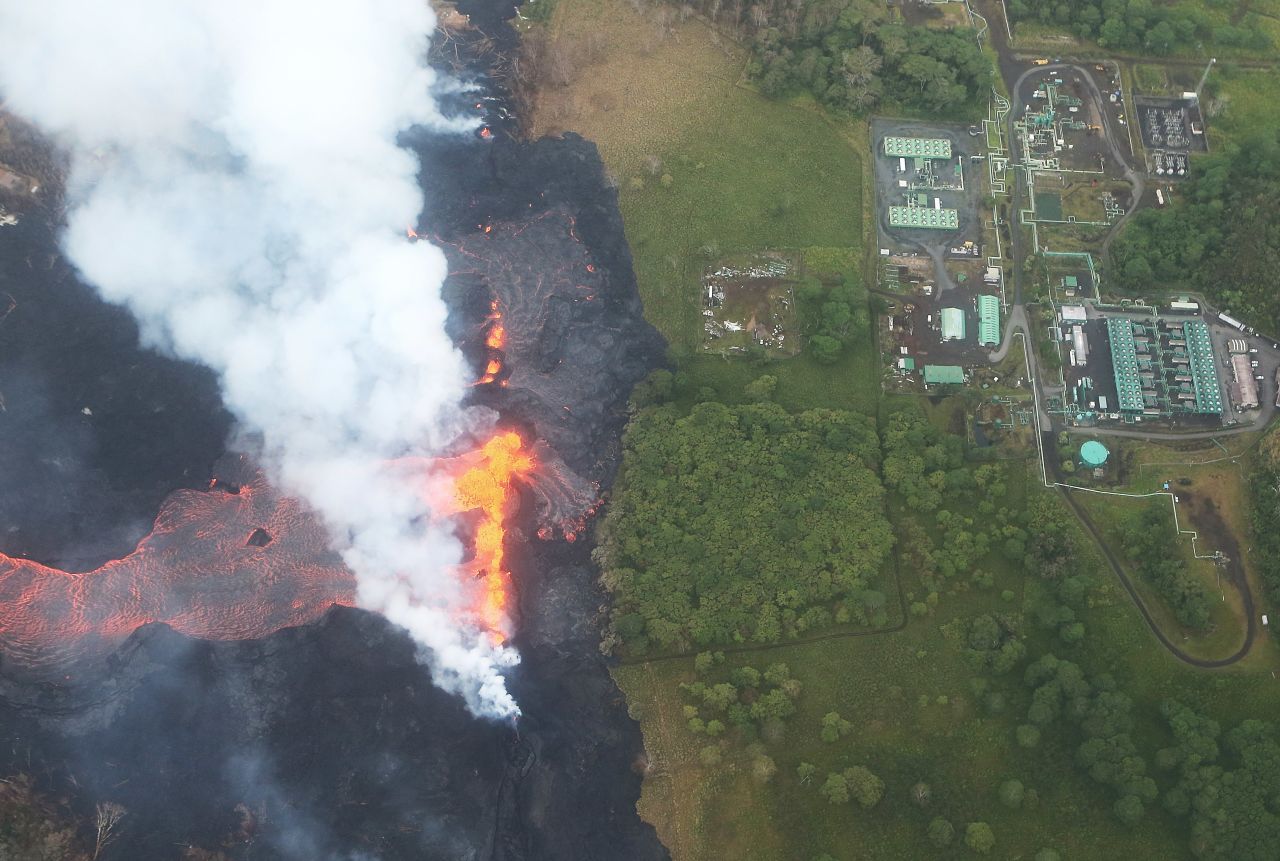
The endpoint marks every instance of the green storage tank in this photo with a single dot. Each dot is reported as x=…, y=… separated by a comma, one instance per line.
x=1094, y=454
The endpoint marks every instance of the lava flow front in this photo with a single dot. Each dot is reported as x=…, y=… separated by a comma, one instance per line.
x=486, y=487
x=239, y=562
x=494, y=341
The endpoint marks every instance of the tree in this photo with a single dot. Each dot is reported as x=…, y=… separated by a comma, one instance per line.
x=722, y=553
x=761, y=388
x=860, y=65
x=805, y=771
x=107, y=816
x=941, y=832
x=824, y=348
x=1071, y=633
x=836, y=789
x=763, y=768
x=1048, y=854
x=710, y=755
x=834, y=727
x=979, y=837
x=1011, y=793
x=1128, y=809
x=920, y=794
x=1028, y=735
x=865, y=787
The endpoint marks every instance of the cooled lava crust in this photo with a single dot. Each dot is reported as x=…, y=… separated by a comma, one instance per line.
x=327, y=740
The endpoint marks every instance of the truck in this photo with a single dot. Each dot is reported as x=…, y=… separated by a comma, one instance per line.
x=1040, y=61
x=1231, y=321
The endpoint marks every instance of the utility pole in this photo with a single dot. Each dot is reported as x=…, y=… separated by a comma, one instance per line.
x=1205, y=77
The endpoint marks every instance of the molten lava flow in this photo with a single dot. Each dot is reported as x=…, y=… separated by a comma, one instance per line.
x=486, y=488
x=495, y=341
x=240, y=561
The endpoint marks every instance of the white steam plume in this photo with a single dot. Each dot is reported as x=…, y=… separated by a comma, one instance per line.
x=236, y=184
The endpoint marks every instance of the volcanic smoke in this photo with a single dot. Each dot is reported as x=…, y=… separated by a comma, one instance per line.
x=236, y=183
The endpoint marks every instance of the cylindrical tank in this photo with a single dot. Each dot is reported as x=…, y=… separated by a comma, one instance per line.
x=1094, y=454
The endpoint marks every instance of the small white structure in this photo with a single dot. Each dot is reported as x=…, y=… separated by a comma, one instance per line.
x=1072, y=314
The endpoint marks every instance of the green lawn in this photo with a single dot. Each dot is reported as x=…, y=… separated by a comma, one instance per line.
x=756, y=174
x=1249, y=100
x=1226, y=624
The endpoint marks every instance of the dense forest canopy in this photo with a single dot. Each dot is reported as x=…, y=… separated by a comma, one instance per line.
x=743, y=523
x=851, y=55
x=856, y=59
x=1223, y=237
x=1141, y=25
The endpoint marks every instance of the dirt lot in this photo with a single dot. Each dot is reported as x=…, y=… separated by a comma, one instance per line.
x=750, y=299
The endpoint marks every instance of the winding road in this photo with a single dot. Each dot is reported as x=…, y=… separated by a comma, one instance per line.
x=1018, y=323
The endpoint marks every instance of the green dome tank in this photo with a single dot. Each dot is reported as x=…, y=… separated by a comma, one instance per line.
x=1094, y=453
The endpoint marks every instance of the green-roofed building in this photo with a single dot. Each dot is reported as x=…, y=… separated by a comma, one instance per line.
x=1204, y=376
x=952, y=324
x=1124, y=364
x=988, y=321
x=935, y=375
x=923, y=217
x=902, y=147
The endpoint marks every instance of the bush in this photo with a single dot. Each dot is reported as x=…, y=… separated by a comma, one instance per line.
x=941, y=832
x=979, y=837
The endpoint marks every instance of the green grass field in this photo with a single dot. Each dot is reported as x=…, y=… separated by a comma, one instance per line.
x=734, y=189
x=708, y=168
x=1248, y=100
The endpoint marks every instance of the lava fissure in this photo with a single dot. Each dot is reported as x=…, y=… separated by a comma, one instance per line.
x=197, y=572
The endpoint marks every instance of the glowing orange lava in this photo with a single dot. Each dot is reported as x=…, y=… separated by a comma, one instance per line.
x=486, y=488
x=495, y=340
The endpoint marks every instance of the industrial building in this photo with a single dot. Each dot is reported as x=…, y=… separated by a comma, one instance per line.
x=901, y=147
x=1163, y=368
x=1124, y=363
x=943, y=375
x=988, y=321
x=1072, y=314
x=924, y=217
x=952, y=324
x=1208, y=392
x=1245, y=388
x=1079, y=347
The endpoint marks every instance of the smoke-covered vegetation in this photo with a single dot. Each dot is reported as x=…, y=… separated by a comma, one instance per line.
x=1221, y=237
x=743, y=523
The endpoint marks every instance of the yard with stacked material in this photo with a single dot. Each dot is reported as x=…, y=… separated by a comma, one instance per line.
x=980, y=684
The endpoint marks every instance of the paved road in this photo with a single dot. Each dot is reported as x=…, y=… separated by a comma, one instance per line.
x=1236, y=578
x=1017, y=322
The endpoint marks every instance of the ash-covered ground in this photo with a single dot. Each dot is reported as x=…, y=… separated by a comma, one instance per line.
x=328, y=740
